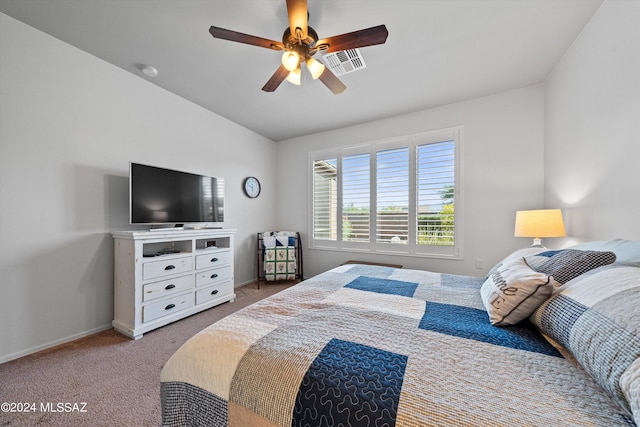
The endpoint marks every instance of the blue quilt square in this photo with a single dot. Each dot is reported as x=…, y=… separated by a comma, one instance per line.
x=461, y=282
x=549, y=254
x=474, y=324
x=371, y=270
x=383, y=286
x=350, y=384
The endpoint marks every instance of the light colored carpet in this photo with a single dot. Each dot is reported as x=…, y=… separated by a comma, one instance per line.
x=114, y=379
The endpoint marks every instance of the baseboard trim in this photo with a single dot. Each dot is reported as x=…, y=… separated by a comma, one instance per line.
x=239, y=285
x=32, y=350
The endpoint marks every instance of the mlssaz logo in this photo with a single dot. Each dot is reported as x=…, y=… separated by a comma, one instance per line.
x=63, y=407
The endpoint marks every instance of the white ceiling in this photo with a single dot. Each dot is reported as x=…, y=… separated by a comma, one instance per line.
x=437, y=52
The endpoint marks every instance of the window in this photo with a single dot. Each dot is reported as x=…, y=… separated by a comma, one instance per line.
x=395, y=196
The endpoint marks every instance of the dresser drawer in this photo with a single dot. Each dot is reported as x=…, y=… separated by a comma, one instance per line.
x=213, y=259
x=167, y=306
x=213, y=292
x=167, y=287
x=213, y=276
x=151, y=270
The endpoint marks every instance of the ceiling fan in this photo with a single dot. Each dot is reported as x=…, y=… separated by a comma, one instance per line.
x=300, y=43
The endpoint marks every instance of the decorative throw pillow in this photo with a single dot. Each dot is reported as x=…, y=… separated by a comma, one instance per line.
x=567, y=264
x=514, y=291
x=595, y=317
x=627, y=251
x=517, y=254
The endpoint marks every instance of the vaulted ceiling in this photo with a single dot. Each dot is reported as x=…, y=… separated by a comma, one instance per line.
x=437, y=52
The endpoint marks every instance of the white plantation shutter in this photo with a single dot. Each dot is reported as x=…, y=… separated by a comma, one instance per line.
x=325, y=200
x=398, y=196
x=356, y=195
x=436, y=190
x=392, y=194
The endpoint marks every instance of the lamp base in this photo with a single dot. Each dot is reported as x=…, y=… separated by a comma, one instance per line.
x=537, y=242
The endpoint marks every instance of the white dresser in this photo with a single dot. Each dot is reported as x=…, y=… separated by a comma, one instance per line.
x=164, y=276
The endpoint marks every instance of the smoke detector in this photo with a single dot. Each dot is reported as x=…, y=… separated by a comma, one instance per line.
x=344, y=61
x=149, y=70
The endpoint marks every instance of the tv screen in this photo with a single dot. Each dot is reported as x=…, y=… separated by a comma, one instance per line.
x=165, y=196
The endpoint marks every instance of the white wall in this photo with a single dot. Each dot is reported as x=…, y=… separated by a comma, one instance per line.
x=592, y=128
x=502, y=168
x=69, y=125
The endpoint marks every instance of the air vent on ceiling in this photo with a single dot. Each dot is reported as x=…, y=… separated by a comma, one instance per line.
x=344, y=61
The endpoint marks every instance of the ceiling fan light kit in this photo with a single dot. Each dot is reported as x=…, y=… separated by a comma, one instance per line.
x=300, y=42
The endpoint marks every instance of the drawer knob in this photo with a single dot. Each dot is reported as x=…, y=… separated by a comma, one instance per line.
x=214, y=275
x=214, y=259
x=213, y=292
x=170, y=267
x=169, y=287
x=170, y=306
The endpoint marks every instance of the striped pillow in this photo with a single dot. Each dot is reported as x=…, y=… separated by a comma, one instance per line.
x=596, y=318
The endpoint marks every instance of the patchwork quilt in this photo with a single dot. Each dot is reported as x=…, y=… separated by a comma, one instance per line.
x=279, y=249
x=376, y=346
x=280, y=263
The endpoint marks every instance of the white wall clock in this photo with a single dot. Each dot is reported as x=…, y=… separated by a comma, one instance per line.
x=251, y=187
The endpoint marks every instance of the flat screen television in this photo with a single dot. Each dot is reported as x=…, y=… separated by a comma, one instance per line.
x=165, y=196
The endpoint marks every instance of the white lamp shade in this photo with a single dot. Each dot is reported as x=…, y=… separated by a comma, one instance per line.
x=540, y=223
x=315, y=68
x=290, y=60
x=295, y=77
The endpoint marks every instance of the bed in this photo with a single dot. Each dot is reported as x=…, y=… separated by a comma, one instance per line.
x=364, y=345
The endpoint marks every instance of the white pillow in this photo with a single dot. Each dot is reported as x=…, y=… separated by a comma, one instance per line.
x=517, y=254
x=627, y=251
x=514, y=291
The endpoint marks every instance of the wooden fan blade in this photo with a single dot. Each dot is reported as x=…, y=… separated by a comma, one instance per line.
x=367, y=37
x=234, y=36
x=332, y=82
x=275, y=80
x=298, y=17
